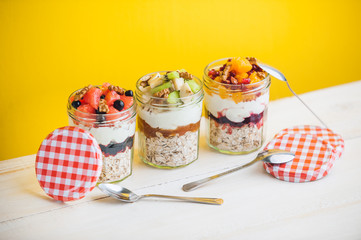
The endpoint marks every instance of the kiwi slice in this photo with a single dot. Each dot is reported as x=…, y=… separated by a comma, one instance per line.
x=173, y=97
x=194, y=86
x=172, y=75
x=161, y=87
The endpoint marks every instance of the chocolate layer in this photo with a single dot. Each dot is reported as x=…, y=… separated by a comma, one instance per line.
x=151, y=132
x=254, y=118
x=113, y=149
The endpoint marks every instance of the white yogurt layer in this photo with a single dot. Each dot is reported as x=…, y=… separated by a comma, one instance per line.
x=235, y=112
x=173, y=118
x=105, y=134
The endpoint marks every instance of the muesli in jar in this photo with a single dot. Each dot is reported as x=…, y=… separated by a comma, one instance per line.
x=169, y=113
x=236, y=100
x=108, y=113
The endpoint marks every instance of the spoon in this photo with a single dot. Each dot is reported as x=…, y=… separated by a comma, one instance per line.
x=126, y=195
x=275, y=156
x=277, y=74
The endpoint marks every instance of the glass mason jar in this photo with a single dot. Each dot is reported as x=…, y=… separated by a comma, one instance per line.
x=115, y=136
x=236, y=114
x=168, y=135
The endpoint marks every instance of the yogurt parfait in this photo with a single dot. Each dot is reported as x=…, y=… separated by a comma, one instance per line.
x=236, y=100
x=108, y=113
x=169, y=113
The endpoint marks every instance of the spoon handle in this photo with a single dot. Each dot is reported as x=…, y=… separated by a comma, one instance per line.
x=214, y=201
x=193, y=185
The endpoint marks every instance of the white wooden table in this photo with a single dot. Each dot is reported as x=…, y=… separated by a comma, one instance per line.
x=256, y=205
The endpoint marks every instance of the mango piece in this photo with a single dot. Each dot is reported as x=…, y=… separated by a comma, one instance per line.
x=240, y=65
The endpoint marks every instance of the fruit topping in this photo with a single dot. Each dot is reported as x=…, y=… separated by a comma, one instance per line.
x=76, y=104
x=173, y=97
x=128, y=101
x=161, y=87
x=92, y=97
x=86, y=108
x=113, y=110
x=101, y=100
x=119, y=105
x=154, y=81
x=238, y=71
x=194, y=86
x=172, y=86
x=129, y=93
x=80, y=94
x=172, y=75
x=185, y=91
x=111, y=97
x=177, y=83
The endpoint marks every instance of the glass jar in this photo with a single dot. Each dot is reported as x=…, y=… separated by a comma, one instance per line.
x=168, y=133
x=115, y=136
x=236, y=114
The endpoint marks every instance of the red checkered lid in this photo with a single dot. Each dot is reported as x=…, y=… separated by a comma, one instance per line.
x=315, y=148
x=68, y=163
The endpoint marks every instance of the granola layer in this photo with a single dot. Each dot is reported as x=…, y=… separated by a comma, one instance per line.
x=117, y=167
x=224, y=137
x=170, y=151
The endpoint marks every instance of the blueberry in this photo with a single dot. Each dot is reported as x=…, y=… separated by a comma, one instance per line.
x=76, y=104
x=129, y=93
x=119, y=105
x=102, y=96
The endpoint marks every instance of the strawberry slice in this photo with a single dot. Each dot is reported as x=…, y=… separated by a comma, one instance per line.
x=111, y=97
x=92, y=97
x=128, y=101
x=112, y=110
x=86, y=108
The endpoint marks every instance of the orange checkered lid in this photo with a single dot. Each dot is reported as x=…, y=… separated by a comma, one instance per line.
x=315, y=149
x=68, y=163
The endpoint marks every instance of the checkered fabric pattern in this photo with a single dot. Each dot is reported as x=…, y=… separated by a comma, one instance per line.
x=315, y=148
x=68, y=163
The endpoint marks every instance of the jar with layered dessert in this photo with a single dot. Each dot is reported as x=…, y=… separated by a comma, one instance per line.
x=236, y=101
x=109, y=113
x=169, y=113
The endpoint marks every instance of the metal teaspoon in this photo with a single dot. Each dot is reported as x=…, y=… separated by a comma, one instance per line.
x=126, y=195
x=275, y=156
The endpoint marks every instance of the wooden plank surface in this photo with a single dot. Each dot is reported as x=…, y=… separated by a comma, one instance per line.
x=256, y=204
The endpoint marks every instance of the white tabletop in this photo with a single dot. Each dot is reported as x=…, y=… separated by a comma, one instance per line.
x=256, y=205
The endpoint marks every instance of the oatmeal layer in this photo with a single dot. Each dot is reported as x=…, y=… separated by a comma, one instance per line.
x=247, y=138
x=179, y=131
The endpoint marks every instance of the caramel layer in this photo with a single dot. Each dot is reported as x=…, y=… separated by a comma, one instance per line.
x=151, y=132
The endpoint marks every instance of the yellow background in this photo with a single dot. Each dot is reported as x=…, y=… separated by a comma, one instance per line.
x=50, y=48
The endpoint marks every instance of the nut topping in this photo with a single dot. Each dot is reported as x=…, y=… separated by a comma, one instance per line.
x=119, y=90
x=103, y=107
x=80, y=94
x=163, y=93
x=186, y=75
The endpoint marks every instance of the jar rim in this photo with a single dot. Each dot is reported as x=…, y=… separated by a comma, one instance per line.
x=205, y=72
x=187, y=100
